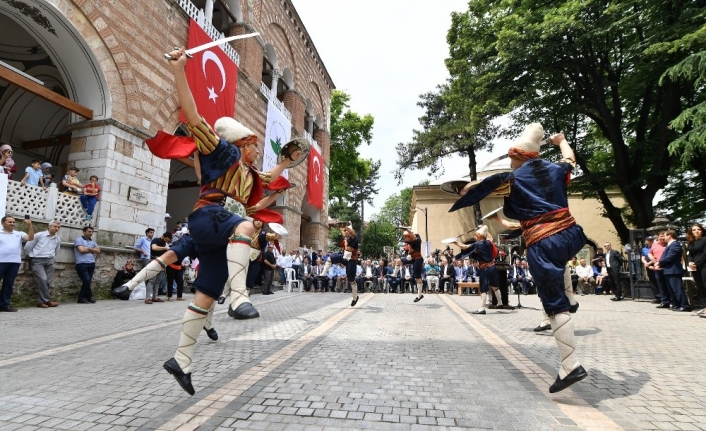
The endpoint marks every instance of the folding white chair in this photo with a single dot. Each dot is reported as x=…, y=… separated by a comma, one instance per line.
x=291, y=277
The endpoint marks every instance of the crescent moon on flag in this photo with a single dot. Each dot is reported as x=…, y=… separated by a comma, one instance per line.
x=210, y=56
x=317, y=169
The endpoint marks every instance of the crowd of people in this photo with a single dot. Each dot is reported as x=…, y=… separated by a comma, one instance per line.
x=39, y=174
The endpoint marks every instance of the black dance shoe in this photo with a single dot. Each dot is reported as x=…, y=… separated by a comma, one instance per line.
x=244, y=311
x=212, y=334
x=418, y=298
x=355, y=301
x=617, y=298
x=122, y=292
x=481, y=311
x=542, y=328
x=221, y=299
x=184, y=379
x=575, y=376
x=574, y=308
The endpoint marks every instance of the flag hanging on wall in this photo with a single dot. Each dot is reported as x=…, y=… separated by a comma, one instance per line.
x=212, y=78
x=277, y=133
x=315, y=183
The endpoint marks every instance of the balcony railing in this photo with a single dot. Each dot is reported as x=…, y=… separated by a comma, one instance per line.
x=269, y=94
x=198, y=16
x=312, y=141
x=45, y=205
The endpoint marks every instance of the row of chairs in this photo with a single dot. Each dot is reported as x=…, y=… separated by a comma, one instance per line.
x=292, y=283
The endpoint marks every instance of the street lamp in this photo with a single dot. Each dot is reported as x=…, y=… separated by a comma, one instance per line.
x=426, y=229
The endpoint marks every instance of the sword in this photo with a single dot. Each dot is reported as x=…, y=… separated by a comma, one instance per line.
x=190, y=52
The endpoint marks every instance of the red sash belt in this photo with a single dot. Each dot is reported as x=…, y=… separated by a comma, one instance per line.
x=415, y=254
x=483, y=265
x=546, y=225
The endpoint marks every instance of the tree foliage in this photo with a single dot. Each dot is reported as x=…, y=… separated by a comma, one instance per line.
x=591, y=68
x=446, y=132
x=348, y=132
x=378, y=234
x=396, y=209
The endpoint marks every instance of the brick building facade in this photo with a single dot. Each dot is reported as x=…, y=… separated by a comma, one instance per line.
x=107, y=57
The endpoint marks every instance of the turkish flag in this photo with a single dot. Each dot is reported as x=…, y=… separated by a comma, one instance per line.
x=315, y=184
x=212, y=78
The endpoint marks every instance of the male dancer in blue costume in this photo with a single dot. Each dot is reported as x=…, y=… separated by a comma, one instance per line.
x=537, y=197
x=414, y=246
x=349, y=257
x=484, y=252
x=223, y=239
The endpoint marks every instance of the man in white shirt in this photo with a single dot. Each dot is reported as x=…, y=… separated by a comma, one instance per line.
x=11, y=257
x=285, y=265
x=42, y=251
x=586, y=280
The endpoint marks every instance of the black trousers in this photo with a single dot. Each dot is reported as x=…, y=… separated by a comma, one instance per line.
x=615, y=281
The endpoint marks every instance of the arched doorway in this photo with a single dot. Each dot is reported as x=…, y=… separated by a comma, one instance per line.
x=41, y=45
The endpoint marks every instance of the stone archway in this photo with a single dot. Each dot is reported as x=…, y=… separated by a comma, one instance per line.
x=41, y=44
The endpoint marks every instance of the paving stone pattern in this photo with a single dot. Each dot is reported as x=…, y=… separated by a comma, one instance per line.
x=313, y=363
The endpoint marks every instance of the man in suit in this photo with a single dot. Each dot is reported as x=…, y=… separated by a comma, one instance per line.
x=447, y=275
x=306, y=274
x=517, y=277
x=393, y=277
x=370, y=273
x=459, y=274
x=672, y=270
x=614, y=263
x=321, y=279
x=382, y=273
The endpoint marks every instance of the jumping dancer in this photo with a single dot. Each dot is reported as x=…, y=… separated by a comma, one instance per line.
x=484, y=252
x=349, y=257
x=223, y=239
x=415, y=258
x=538, y=199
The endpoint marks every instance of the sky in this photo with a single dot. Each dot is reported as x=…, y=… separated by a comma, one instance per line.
x=384, y=54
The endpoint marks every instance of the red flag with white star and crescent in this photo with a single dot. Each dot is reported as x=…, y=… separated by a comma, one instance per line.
x=315, y=183
x=212, y=77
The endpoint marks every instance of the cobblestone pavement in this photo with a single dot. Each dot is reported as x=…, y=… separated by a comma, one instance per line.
x=312, y=362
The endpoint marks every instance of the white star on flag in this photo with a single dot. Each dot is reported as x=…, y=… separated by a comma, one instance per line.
x=212, y=94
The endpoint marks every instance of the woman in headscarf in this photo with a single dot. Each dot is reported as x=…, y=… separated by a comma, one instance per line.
x=124, y=275
x=8, y=165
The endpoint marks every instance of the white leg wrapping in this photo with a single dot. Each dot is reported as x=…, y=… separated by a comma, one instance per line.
x=545, y=319
x=354, y=290
x=419, y=289
x=191, y=327
x=568, y=289
x=327, y=266
x=483, y=299
x=148, y=272
x=238, y=261
x=209, y=316
x=497, y=295
x=563, y=328
x=396, y=271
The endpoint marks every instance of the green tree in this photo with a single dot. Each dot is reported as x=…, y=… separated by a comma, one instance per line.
x=348, y=132
x=446, y=132
x=593, y=65
x=378, y=234
x=396, y=209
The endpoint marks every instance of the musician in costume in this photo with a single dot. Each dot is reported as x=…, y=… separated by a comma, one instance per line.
x=349, y=257
x=484, y=252
x=223, y=239
x=414, y=258
x=537, y=197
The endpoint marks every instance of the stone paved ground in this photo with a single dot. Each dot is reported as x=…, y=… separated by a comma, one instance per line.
x=311, y=362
